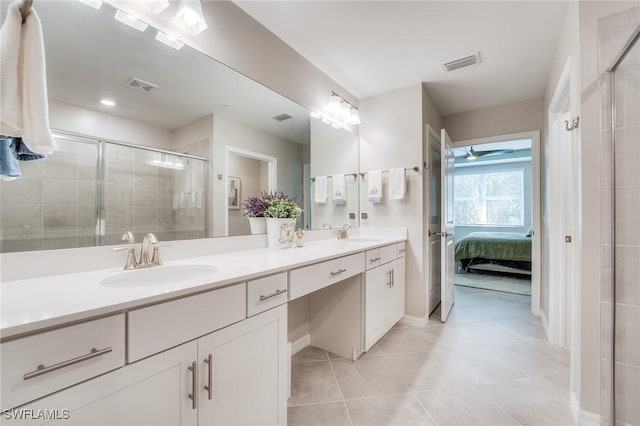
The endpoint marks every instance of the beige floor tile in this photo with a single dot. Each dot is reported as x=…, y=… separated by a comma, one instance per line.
x=556, y=413
x=313, y=382
x=526, y=328
x=466, y=335
x=530, y=360
x=404, y=340
x=483, y=361
x=367, y=377
x=309, y=354
x=333, y=413
x=528, y=390
x=388, y=410
x=374, y=351
x=460, y=407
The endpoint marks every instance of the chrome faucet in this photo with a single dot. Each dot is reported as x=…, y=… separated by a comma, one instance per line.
x=144, y=262
x=342, y=233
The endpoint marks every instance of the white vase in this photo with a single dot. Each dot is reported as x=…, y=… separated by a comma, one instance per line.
x=258, y=225
x=280, y=232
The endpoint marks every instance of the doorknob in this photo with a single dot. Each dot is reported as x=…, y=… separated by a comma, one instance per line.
x=438, y=234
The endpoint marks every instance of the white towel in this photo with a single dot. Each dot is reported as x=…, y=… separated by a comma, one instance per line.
x=375, y=186
x=339, y=189
x=23, y=85
x=397, y=184
x=320, y=191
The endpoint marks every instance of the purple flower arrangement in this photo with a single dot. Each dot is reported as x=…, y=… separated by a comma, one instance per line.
x=257, y=205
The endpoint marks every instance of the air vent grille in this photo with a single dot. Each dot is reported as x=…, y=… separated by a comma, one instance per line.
x=141, y=85
x=461, y=62
x=282, y=117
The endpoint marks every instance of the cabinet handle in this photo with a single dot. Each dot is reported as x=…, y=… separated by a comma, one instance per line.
x=375, y=259
x=389, y=279
x=209, y=387
x=393, y=278
x=193, y=396
x=41, y=369
x=402, y=250
x=269, y=296
x=338, y=272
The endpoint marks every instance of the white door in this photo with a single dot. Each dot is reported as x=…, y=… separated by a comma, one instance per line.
x=395, y=307
x=153, y=391
x=243, y=380
x=377, y=281
x=432, y=218
x=448, y=262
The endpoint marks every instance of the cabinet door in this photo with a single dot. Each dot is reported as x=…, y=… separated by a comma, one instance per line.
x=395, y=298
x=149, y=392
x=248, y=374
x=375, y=299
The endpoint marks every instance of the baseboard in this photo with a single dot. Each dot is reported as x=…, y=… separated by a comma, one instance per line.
x=300, y=344
x=581, y=417
x=545, y=322
x=414, y=321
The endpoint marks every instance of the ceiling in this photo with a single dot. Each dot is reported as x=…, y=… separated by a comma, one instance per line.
x=371, y=47
x=91, y=56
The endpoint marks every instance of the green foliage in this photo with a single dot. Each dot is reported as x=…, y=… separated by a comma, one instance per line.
x=283, y=209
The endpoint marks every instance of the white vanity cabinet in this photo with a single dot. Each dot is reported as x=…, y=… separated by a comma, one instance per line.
x=384, y=292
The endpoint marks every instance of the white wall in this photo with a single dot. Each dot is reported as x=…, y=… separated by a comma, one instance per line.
x=86, y=122
x=229, y=133
x=249, y=172
x=391, y=135
x=504, y=119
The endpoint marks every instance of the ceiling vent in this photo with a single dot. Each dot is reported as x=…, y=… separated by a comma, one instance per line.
x=282, y=117
x=140, y=85
x=461, y=62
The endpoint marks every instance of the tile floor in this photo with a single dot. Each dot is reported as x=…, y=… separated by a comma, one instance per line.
x=488, y=365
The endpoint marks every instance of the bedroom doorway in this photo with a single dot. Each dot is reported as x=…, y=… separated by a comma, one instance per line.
x=497, y=215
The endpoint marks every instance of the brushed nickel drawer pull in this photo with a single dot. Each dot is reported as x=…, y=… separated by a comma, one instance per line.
x=393, y=278
x=375, y=259
x=338, y=272
x=44, y=370
x=274, y=294
x=193, y=396
x=402, y=250
x=209, y=387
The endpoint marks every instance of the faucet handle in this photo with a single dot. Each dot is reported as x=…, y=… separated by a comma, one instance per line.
x=155, y=257
x=131, y=262
x=128, y=237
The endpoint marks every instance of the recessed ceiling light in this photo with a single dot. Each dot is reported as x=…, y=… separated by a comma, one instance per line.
x=156, y=6
x=107, y=102
x=96, y=4
x=129, y=20
x=190, y=17
x=168, y=40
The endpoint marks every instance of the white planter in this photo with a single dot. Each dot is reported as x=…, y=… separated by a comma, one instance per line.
x=280, y=232
x=258, y=225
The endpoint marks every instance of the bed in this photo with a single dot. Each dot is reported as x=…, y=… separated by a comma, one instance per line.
x=495, y=251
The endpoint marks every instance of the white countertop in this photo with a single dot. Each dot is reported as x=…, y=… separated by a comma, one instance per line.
x=33, y=304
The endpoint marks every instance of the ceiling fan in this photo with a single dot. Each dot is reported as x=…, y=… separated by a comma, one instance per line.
x=473, y=154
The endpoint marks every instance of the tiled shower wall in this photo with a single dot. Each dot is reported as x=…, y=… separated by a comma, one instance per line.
x=54, y=204
x=614, y=31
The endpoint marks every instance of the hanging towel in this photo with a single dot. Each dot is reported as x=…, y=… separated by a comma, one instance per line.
x=339, y=189
x=13, y=150
x=320, y=191
x=397, y=184
x=375, y=186
x=23, y=85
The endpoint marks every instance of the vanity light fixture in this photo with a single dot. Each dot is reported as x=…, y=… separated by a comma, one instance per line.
x=155, y=6
x=107, y=102
x=189, y=17
x=129, y=20
x=339, y=113
x=169, y=40
x=96, y=4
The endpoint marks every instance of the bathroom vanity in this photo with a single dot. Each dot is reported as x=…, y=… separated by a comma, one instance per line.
x=208, y=346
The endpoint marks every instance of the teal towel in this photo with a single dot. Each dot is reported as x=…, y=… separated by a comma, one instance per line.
x=13, y=150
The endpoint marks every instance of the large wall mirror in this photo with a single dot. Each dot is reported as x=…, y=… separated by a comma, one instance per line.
x=157, y=139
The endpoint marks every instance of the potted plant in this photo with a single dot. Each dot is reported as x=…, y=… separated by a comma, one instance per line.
x=281, y=215
x=253, y=208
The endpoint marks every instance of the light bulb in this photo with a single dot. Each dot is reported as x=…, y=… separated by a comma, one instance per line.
x=333, y=105
x=190, y=17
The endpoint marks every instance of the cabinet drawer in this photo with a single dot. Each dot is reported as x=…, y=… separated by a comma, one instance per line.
x=388, y=254
x=159, y=327
x=266, y=293
x=401, y=249
x=38, y=365
x=311, y=278
x=372, y=258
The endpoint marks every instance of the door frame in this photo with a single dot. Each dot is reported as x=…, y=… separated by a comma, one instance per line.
x=536, y=202
x=272, y=173
x=427, y=255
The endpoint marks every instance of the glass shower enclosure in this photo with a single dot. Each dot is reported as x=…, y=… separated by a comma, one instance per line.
x=90, y=191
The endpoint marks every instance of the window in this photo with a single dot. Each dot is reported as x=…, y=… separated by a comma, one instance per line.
x=491, y=198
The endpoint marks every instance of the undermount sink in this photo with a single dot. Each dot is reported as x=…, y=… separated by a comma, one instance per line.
x=361, y=240
x=159, y=275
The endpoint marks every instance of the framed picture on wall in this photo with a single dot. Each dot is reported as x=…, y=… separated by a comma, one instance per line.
x=234, y=193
